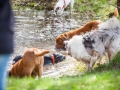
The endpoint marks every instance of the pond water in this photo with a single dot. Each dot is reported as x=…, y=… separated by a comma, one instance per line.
x=38, y=29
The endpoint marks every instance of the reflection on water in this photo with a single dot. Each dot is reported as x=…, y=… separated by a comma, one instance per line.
x=35, y=29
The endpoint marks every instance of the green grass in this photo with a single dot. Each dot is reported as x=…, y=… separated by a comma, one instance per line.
x=104, y=77
x=105, y=80
x=95, y=8
x=92, y=8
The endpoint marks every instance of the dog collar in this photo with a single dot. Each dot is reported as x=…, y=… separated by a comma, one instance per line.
x=64, y=4
x=53, y=59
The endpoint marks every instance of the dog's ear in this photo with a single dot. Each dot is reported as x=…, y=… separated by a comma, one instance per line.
x=66, y=36
x=88, y=42
x=115, y=13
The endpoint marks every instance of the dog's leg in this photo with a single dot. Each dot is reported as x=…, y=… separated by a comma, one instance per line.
x=87, y=66
x=92, y=62
x=110, y=54
x=107, y=58
x=26, y=73
x=71, y=7
x=99, y=61
x=71, y=10
x=40, y=68
x=38, y=71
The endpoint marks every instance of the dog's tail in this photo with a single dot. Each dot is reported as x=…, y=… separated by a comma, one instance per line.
x=42, y=53
x=115, y=13
x=112, y=23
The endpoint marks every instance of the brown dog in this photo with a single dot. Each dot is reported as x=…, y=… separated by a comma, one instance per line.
x=30, y=64
x=92, y=25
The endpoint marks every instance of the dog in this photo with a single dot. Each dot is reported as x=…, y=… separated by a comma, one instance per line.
x=53, y=58
x=112, y=25
x=98, y=41
x=31, y=63
x=109, y=33
x=92, y=25
x=61, y=5
x=76, y=49
x=48, y=58
x=93, y=45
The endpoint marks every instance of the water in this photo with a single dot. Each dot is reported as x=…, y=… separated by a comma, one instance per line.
x=37, y=29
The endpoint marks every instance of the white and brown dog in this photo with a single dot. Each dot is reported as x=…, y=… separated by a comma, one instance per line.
x=93, y=45
x=61, y=5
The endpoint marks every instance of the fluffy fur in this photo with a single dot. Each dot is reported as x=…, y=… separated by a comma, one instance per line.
x=98, y=41
x=111, y=23
x=112, y=26
x=92, y=25
x=76, y=49
x=31, y=63
x=93, y=45
x=61, y=5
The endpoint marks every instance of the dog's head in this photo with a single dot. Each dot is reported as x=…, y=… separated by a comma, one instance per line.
x=54, y=58
x=60, y=41
x=59, y=57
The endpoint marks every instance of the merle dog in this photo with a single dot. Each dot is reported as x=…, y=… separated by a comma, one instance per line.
x=48, y=58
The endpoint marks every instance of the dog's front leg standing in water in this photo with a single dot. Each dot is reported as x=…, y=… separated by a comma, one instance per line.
x=71, y=7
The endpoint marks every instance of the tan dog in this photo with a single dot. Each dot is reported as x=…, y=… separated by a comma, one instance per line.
x=92, y=25
x=30, y=64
